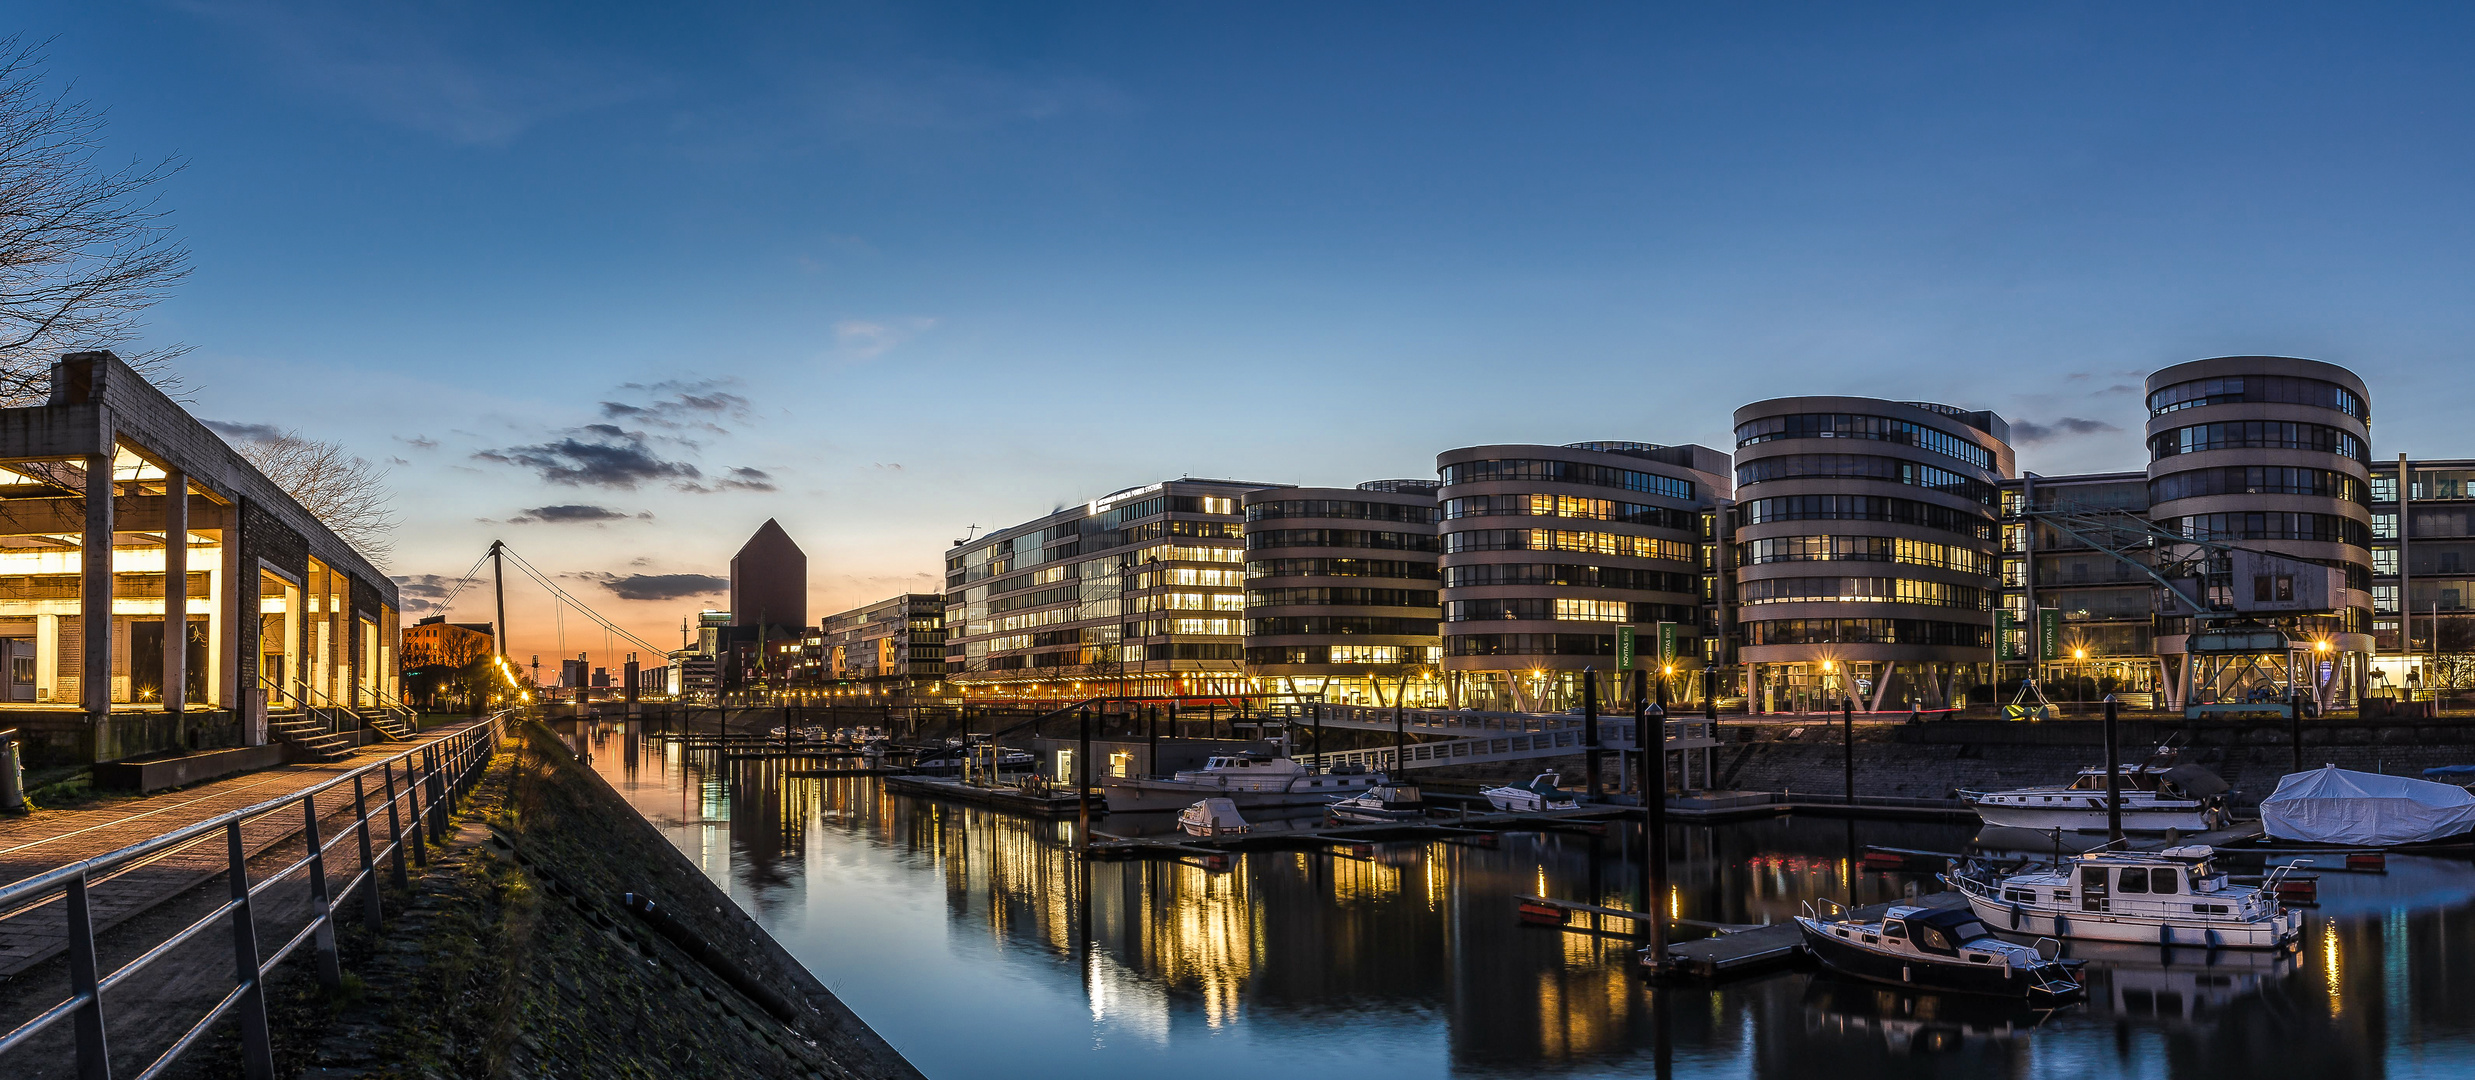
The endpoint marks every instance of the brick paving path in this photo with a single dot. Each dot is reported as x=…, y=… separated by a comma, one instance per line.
x=51, y=838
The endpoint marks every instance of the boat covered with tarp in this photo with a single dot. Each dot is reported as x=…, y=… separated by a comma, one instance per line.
x=2330, y=805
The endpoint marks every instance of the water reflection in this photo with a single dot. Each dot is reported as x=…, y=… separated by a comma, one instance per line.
x=980, y=946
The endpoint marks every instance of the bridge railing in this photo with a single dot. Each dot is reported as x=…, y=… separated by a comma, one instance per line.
x=1479, y=748
x=417, y=789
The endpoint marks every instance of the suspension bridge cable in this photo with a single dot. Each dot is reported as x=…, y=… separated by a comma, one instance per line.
x=561, y=594
x=470, y=573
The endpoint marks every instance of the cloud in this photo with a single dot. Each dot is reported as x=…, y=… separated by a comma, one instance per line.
x=423, y=592
x=860, y=339
x=237, y=432
x=575, y=513
x=2030, y=431
x=419, y=442
x=596, y=455
x=738, y=478
x=663, y=586
x=680, y=405
x=470, y=74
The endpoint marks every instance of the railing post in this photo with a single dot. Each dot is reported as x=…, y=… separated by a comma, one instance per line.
x=370, y=910
x=395, y=829
x=438, y=797
x=93, y=1062
x=412, y=808
x=257, y=1050
x=330, y=966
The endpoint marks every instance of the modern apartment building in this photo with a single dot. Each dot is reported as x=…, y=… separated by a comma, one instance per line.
x=2102, y=621
x=892, y=647
x=1341, y=593
x=1141, y=590
x=2271, y=453
x=1552, y=556
x=2423, y=574
x=1865, y=539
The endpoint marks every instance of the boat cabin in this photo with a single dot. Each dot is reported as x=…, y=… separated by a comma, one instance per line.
x=1940, y=933
x=2135, y=778
x=2126, y=883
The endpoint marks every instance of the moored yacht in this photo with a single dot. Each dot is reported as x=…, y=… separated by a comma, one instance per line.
x=1539, y=794
x=1247, y=780
x=1388, y=800
x=2157, y=797
x=1946, y=949
x=2172, y=897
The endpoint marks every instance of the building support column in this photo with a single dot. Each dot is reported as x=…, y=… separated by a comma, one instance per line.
x=175, y=591
x=94, y=626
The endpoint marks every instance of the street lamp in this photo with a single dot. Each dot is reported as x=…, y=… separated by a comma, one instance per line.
x=2079, y=665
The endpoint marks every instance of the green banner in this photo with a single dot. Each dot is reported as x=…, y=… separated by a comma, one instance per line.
x=1624, y=648
x=2003, y=625
x=2049, y=633
x=1667, y=643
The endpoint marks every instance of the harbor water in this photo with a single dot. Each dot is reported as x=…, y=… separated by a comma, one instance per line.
x=978, y=945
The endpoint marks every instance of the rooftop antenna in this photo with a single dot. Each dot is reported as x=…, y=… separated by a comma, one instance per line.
x=968, y=533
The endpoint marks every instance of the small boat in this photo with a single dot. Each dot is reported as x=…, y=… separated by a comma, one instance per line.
x=1944, y=949
x=1386, y=801
x=1212, y=817
x=2330, y=805
x=2157, y=796
x=2171, y=897
x=1539, y=794
x=952, y=760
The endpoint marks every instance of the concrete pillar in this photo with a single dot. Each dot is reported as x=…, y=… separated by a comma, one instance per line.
x=95, y=597
x=175, y=591
x=236, y=635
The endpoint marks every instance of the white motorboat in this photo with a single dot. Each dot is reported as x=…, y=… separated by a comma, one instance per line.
x=1388, y=800
x=1944, y=949
x=1248, y=780
x=2172, y=897
x=1212, y=817
x=1539, y=794
x=2157, y=797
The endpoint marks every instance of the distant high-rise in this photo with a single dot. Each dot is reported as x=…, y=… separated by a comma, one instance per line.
x=769, y=580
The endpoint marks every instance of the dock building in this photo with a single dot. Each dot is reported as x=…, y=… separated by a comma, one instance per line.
x=1141, y=591
x=1341, y=593
x=891, y=651
x=1864, y=535
x=159, y=593
x=2423, y=574
x=1553, y=556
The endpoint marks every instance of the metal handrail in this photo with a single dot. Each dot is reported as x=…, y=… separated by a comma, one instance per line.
x=435, y=776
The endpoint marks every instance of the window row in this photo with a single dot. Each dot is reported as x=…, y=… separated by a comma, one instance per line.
x=1872, y=590
x=1582, y=577
x=1889, y=549
x=1570, y=506
x=1263, y=539
x=1848, y=426
x=2281, y=389
x=1339, y=624
x=2256, y=435
x=1567, y=472
x=1866, y=467
x=1863, y=508
x=1866, y=632
x=1343, y=654
x=1530, y=645
x=2256, y=480
x=1591, y=543
x=1342, y=508
x=2272, y=525
x=1371, y=568
x=1568, y=609
x=1342, y=597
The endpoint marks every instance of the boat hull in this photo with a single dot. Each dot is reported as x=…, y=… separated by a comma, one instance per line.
x=2279, y=931
x=1366, y=816
x=1855, y=961
x=2087, y=818
x=1129, y=794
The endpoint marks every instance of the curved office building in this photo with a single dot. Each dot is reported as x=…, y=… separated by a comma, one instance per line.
x=1341, y=592
x=1865, y=545
x=2270, y=453
x=1549, y=551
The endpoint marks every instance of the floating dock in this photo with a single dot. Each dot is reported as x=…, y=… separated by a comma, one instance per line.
x=1007, y=798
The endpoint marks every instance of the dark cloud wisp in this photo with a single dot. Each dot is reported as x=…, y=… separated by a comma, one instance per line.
x=574, y=513
x=664, y=586
x=243, y=432
x=2030, y=431
x=596, y=455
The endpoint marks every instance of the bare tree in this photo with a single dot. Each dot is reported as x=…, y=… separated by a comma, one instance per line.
x=83, y=249
x=346, y=493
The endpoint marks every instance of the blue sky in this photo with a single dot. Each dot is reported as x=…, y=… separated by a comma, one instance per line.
x=923, y=267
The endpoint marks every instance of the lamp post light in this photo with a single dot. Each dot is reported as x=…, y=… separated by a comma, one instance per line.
x=2079, y=665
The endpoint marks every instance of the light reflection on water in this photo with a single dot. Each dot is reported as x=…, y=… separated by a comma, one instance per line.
x=977, y=945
